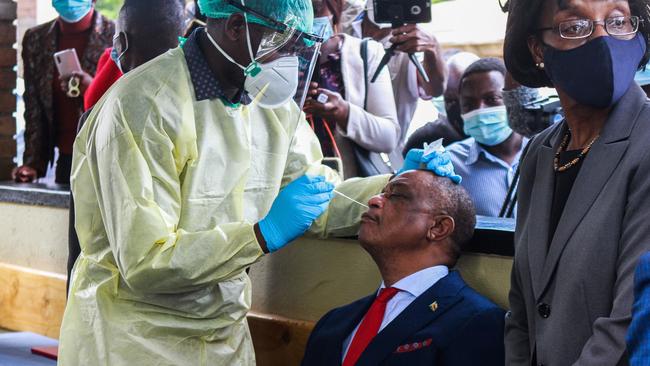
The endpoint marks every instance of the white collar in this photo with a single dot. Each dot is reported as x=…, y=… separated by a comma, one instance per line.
x=356, y=28
x=417, y=283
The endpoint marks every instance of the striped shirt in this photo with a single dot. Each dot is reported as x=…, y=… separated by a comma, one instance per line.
x=486, y=177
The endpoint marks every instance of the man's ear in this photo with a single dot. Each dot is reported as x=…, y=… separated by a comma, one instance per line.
x=442, y=226
x=235, y=27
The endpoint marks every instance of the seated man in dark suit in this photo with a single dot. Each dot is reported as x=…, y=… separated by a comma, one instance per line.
x=423, y=314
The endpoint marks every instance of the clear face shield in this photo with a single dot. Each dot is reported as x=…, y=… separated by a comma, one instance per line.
x=292, y=57
x=284, y=62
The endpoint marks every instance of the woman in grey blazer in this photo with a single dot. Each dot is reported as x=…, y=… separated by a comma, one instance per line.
x=584, y=195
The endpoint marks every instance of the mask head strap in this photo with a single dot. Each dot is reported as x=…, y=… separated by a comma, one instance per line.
x=126, y=40
x=253, y=68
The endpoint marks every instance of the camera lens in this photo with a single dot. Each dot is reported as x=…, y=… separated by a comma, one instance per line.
x=416, y=10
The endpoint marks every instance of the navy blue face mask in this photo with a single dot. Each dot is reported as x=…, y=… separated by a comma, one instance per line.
x=597, y=73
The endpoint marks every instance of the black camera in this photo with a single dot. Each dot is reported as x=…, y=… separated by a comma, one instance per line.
x=399, y=12
x=545, y=109
x=539, y=114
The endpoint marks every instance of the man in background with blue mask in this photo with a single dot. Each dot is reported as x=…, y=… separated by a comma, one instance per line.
x=145, y=29
x=51, y=115
x=488, y=160
x=449, y=126
x=189, y=170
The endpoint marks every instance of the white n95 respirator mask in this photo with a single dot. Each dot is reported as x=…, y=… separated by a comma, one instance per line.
x=275, y=82
x=271, y=84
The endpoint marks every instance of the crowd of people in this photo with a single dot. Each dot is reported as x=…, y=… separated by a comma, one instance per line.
x=362, y=127
x=208, y=134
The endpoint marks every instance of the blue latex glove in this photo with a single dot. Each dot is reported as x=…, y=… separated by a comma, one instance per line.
x=412, y=161
x=295, y=209
x=437, y=162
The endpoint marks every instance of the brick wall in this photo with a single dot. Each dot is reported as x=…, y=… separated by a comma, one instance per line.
x=8, y=59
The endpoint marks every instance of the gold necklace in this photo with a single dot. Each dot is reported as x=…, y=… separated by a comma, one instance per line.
x=563, y=146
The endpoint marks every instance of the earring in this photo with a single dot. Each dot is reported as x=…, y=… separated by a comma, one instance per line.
x=540, y=65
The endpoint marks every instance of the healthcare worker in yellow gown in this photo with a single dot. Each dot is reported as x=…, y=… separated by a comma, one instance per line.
x=188, y=171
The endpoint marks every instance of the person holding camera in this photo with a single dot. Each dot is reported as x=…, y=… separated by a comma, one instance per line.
x=408, y=85
x=350, y=115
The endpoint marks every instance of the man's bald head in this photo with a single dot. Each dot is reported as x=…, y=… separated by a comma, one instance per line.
x=457, y=64
x=419, y=215
x=151, y=27
x=460, y=61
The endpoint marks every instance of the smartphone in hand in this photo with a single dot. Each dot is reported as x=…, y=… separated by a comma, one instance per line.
x=67, y=62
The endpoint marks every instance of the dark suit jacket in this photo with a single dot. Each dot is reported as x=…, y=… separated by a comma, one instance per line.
x=39, y=46
x=571, y=295
x=465, y=329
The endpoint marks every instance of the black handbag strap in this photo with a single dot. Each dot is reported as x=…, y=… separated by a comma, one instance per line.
x=369, y=163
x=508, y=207
x=364, y=57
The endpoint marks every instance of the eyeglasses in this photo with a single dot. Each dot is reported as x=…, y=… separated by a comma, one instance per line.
x=276, y=25
x=623, y=27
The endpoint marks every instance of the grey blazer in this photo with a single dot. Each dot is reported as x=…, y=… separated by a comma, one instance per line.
x=572, y=305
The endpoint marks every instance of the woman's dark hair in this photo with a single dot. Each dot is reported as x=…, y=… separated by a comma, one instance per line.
x=335, y=7
x=523, y=21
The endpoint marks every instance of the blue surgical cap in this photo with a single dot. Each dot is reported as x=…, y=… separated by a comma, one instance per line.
x=298, y=14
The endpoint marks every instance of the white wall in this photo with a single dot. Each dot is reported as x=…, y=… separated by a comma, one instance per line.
x=34, y=237
x=302, y=281
x=468, y=22
x=45, y=11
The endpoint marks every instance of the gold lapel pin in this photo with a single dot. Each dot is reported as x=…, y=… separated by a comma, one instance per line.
x=434, y=306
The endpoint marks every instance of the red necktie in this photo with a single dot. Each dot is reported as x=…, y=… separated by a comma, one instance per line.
x=369, y=326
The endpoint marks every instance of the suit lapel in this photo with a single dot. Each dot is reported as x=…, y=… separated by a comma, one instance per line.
x=540, y=207
x=415, y=317
x=596, y=171
x=342, y=325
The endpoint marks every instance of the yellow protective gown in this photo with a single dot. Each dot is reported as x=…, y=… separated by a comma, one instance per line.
x=167, y=191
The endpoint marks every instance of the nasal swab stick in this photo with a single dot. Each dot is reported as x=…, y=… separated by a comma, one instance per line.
x=351, y=199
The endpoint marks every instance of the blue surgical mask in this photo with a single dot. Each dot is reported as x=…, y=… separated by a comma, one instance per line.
x=71, y=11
x=439, y=104
x=323, y=27
x=597, y=73
x=488, y=126
x=117, y=57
